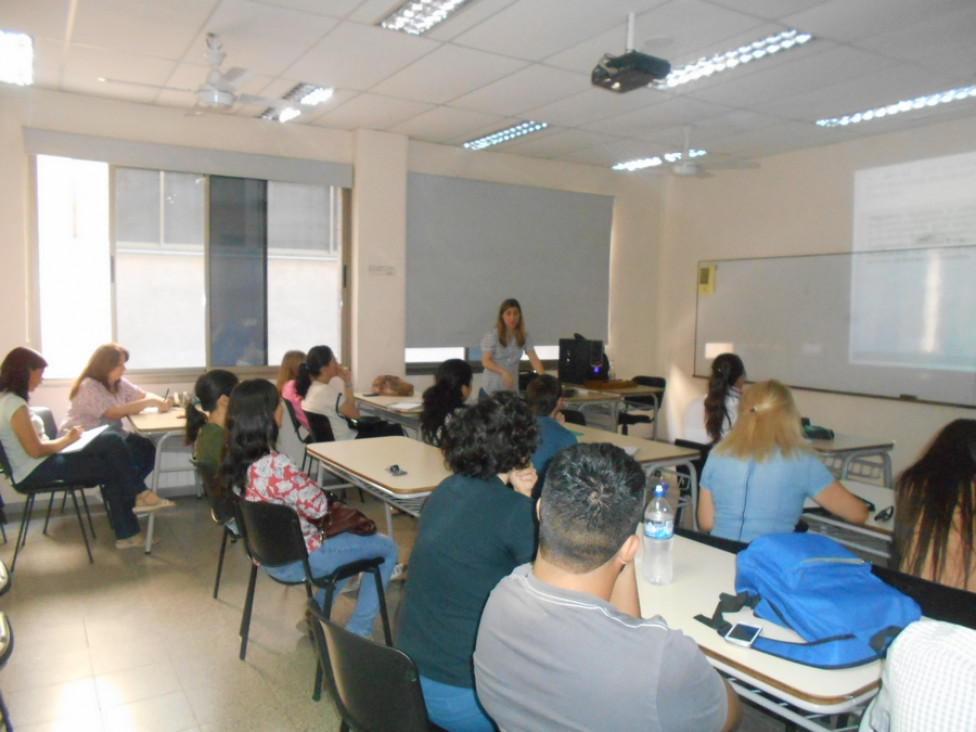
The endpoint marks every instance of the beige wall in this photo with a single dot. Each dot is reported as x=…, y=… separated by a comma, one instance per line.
x=797, y=203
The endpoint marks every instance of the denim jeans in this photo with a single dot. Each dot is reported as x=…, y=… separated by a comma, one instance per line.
x=454, y=707
x=342, y=549
x=105, y=461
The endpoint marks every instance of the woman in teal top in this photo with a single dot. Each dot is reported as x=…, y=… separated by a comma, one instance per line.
x=756, y=480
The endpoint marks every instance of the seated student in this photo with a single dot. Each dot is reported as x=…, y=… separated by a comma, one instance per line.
x=927, y=682
x=724, y=392
x=561, y=643
x=206, y=417
x=473, y=531
x=756, y=480
x=544, y=395
x=451, y=389
x=935, y=510
x=35, y=461
x=287, y=373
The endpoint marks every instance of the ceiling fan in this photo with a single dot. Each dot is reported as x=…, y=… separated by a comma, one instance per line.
x=689, y=163
x=219, y=92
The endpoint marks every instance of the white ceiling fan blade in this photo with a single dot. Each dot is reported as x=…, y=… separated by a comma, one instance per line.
x=236, y=76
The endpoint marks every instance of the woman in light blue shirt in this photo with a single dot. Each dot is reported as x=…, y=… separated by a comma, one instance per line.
x=756, y=480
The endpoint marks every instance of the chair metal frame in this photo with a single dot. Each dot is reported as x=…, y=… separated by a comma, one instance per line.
x=58, y=486
x=642, y=403
x=221, y=511
x=273, y=537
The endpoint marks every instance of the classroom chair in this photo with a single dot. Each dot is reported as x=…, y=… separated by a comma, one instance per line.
x=627, y=418
x=321, y=431
x=221, y=511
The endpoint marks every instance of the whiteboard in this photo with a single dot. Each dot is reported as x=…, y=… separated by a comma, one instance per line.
x=899, y=324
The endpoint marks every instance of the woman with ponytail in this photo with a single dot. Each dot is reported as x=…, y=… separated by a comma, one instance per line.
x=206, y=416
x=291, y=364
x=452, y=387
x=724, y=392
x=756, y=480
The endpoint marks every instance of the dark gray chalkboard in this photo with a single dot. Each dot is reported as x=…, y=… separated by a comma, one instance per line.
x=897, y=324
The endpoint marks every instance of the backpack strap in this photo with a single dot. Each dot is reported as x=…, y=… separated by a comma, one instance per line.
x=727, y=604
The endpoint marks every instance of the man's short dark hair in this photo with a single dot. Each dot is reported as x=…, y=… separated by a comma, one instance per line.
x=591, y=503
x=543, y=394
x=493, y=436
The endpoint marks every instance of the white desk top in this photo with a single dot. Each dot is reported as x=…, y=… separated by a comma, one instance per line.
x=881, y=496
x=701, y=572
x=156, y=421
x=369, y=460
x=404, y=405
x=648, y=451
x=849, y=443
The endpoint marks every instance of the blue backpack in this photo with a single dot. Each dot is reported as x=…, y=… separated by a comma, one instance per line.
x=827, y=595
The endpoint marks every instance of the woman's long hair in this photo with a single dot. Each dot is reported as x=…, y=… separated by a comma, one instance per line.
x=500, y=323
x=443, y=398
x=16, y=368
x=289, y=368
x=929, y=496
x=103, y=360
x=317, y=359
x=208, y=389
x=496, y=435
x=727, y=369
x=768, y=423
x=251, y=431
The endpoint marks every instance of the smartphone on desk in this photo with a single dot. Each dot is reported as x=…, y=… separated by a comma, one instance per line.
x=742, y=634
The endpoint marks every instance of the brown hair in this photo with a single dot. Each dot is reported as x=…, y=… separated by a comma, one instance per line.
x=768, y=419
x=500, y=323
x=103, y=360
x=289, y=368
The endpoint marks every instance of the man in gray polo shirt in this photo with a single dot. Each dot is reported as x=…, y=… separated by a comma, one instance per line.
x=561, y=643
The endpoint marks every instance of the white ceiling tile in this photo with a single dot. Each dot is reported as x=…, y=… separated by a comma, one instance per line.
x=356, y=56
x=649, y=121
x=447, y=73
x=556, y=143
x=449, y=125
x=591, y=105
x=371, y=111
x=927, y=37
x=527, y=88
x=37, y=18
x=145, y=27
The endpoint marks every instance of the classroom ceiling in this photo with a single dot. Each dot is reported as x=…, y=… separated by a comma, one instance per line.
x=498, y=62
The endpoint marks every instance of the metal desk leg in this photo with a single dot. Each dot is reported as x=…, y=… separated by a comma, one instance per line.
x=389, y=519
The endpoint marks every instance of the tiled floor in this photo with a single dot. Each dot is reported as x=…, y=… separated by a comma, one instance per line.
x=136, y=642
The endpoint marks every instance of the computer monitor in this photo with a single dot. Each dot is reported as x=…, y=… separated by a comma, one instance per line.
x=581, y=360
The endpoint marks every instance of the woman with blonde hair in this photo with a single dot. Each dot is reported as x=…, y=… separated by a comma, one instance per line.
x=502, y=349
x=756, y=480
x=935, y=510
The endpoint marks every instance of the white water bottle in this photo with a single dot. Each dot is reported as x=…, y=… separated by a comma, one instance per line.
x=658, y=538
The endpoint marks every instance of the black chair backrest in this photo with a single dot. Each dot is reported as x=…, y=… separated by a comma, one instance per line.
x=574, y=416
x=703, y=451
x=320, y=427
x=47, y=416
x=727, y=545
x=937, y=601
x=222, y=505
x=290, y=408
x=656, y=381
x=272, y=533
x=5, y=464
x=374, y=686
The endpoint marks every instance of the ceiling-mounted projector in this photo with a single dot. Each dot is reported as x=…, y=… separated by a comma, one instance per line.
x=629, y=71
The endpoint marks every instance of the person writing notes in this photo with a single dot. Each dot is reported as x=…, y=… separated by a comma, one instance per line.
x=105, y=461
x=756, y=480
x=502, y=349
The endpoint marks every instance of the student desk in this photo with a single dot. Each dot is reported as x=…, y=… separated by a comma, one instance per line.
x=365, y=463
x=166, y=426
x=854, y=535
x=653, y=456
x=851, y=451
x=382, y=406
x=613, y=399
x=701, y=572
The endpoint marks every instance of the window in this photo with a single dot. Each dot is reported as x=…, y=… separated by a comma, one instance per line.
x=202, y=271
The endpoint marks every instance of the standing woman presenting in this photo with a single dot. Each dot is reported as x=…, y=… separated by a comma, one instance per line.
x=502, y=349
x=102, y=396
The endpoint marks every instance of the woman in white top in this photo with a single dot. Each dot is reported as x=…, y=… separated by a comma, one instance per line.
x=321, y=396
x=502, y=349
x=724, y=390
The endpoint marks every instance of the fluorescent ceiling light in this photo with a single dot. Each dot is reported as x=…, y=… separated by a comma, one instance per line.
x=308, y=94
x=672, y=157
x=419, y=16
x=509, y=133
x=16, y=58
x=906, y=105
x=705, y=67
